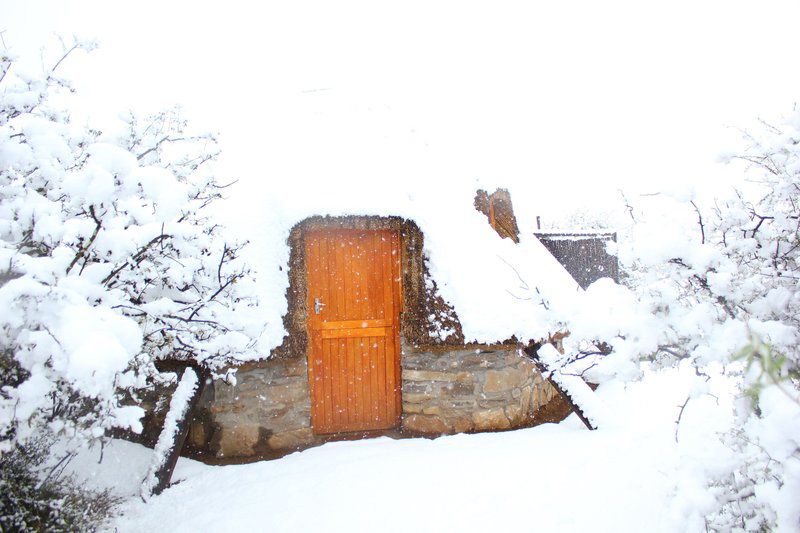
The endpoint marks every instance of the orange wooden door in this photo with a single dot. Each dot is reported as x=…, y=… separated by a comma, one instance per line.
x=354, y=331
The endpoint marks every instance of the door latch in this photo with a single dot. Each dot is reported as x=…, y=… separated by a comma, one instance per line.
x=318, y=305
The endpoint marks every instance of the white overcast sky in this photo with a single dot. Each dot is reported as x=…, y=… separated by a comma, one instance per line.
x=574, y=97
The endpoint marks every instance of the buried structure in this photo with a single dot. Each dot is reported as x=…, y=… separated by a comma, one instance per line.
x=371, y=346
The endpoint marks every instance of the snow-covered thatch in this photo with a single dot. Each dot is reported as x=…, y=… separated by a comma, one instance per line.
x=497, y=288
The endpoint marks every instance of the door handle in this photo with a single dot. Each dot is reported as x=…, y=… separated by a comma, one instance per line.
x=318, y=306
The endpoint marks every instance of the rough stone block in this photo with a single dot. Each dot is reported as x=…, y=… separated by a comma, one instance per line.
x=413, y=407
x=460, y=404
x=542, y=394
x=237, y=407
x=458, y=388
x=460, y=424
x=526, y=400
x=224, y=393
x=415, y=397
x=418, y=387
x=503, y=380
x=475, y=361
x=424, y=424
x=237, y=440
x=490, y=419
x=251, y=379
x=288, y=421
x=431, y=375
x=492, y=403
x=514, y=414
x=289, y=393
x=291, y=439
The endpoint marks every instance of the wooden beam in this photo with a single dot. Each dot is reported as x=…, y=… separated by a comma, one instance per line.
x=160, y=473
x=530, y=351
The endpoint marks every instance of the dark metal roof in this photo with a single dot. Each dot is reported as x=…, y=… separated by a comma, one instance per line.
x=583, y=254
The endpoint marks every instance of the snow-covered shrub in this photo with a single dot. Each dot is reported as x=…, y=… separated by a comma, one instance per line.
x=37, y=496
x=108, y=260
x=723, y=291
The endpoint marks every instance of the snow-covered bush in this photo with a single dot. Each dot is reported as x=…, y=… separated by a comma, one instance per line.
x=721, y=292
x=108, y=259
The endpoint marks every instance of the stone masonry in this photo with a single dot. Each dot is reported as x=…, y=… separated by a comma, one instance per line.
x=268, y=410
x=480, y=389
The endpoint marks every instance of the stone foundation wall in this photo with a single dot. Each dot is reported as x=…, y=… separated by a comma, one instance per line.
x=268, y=410
x=470, y=390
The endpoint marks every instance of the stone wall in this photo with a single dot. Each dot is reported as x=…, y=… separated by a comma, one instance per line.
x=471, y=390
x=267, y=412
x=268, y=409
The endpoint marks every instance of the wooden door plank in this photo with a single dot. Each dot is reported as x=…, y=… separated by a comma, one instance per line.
x=393, y=380
x=324, y=291
x=374, y=282
x=331, y=308
x=361, y=402
x=386, y=276
x=357, y=252
x=351, y=333
x=349, y=381
x=368, y=399
x=377, y=378
x=355, y=324
x=340, y=283
x=388, y=374
x=366, y=379
x=390, y=351
x=395, y=261
x=326, y=420
x=380, y=362
x=354, y=377
x=348, y=279
x=314, y=376
x=318, y=280
x=333, y=348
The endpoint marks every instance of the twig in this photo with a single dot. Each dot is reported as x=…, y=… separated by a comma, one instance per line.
x=628, y=206
x=85, y=249
x=678, y=421
x=137, y=258
x=700, y=223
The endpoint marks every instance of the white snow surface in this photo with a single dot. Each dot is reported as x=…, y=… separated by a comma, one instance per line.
x=497, y=288
x=629, y=475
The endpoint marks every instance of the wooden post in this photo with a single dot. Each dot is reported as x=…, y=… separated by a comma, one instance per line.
x=171, y=440
x=530, y=351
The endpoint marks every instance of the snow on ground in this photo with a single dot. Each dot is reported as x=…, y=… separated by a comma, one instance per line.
x=629, y=475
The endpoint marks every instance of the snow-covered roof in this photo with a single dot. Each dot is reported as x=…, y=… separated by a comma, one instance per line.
x=498, y=289
x=566, y=234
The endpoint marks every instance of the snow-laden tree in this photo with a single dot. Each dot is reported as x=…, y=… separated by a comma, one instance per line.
x=720, y=293
x=108, y=259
